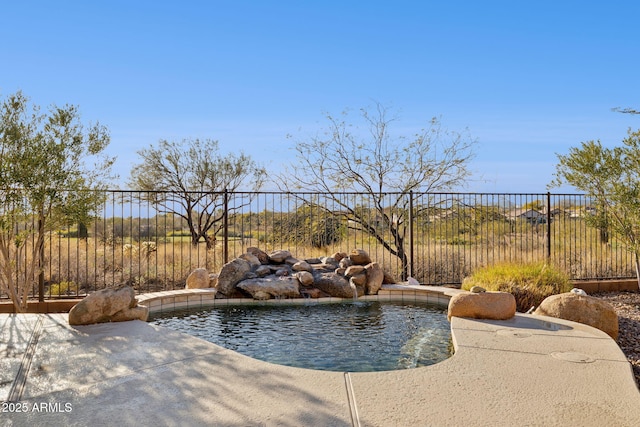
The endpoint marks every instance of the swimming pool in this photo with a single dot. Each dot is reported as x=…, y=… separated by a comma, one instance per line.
x=355, y=336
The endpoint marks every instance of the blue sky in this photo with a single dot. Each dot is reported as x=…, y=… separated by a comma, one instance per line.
x=528, y=79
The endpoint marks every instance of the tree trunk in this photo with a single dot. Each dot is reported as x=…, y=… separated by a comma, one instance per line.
x=211, y=241
x=405, y=264
x=637, y=257
x=41, y=257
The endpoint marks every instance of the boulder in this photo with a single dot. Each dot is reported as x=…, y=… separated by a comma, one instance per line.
x=291, y=260
x=338, y=256
x=251, y=259
x=329, y=260
x=345, y=262
x=305, y=278
x=230, y=274
x=198, y=279
x=281, y=287
x=388, y=278
x=101, y=306
x=260, y=254
x=261, y=295
x=334, y=273
x=354, y=270
x=582, y=309
x=323, y=268
x=284, y=271
x=375, y=277
x=136, y=313
x=301, y=266
x=263, y=270
x=484, y=305
x=359, y=279
x=360, y=257
x=334, y=284
x=278, y=257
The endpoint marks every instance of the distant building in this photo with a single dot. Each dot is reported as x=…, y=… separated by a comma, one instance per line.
x=530, y=215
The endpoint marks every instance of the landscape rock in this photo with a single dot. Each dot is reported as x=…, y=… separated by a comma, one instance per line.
x=260, y=288
x=359, y=279
x=260, y=254
x=323, y=268
x=582, y=309
x=334, y=285
x=329, y=260
x=360, y=257
x=136, y=313
x=279, y=256
x=375, y=277
x=230, y=274
x=263, y=270
x=102, y=305
x=388, y=278
x=251, y=259
x=345, y=262
x=291, y=260
x=301, y=266
x=484, y=305
x=257, y=271
x=338, y=256
x=305, y=278
x=198, y=279
x=354, y=270
x=284, y=271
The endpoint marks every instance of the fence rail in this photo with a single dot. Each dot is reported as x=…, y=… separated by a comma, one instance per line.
x=153, y=240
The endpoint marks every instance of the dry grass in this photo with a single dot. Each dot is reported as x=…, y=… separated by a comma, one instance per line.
x=443, y=254
x=530, y=283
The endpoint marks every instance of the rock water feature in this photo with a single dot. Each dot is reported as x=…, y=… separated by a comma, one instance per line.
x=280, y=275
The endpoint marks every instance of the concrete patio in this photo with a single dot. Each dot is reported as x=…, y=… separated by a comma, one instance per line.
x=525, y=371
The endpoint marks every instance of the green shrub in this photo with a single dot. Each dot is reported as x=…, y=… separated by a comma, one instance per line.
x=529, y=283
x=64, y=288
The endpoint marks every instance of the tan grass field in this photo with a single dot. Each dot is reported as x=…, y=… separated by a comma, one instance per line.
x=90, y=264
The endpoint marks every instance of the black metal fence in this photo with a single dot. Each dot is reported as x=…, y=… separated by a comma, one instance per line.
x=153, y=240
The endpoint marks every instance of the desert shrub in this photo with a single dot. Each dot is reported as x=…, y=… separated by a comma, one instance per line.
x=63, y=288
x=307, y=227
x=530, y=283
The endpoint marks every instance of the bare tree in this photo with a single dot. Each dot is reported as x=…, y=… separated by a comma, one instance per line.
x=625, y=110
x=189, y=179
x=383, y=166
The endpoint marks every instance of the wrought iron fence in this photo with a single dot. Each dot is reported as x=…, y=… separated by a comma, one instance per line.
x=153, y=240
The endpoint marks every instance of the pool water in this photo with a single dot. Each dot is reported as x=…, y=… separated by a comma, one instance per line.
x=356, y=337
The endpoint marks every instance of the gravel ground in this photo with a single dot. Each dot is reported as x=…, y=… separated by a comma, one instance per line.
x=627, y=305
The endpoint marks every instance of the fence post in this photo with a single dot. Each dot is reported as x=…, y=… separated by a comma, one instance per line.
x=548, y=226
x=411, y=227
x=225, y=228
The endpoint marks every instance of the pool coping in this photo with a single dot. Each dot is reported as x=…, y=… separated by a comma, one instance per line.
x=195, y=298
x=529, y=370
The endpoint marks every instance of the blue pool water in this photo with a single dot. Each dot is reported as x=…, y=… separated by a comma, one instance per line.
x=357, y=336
